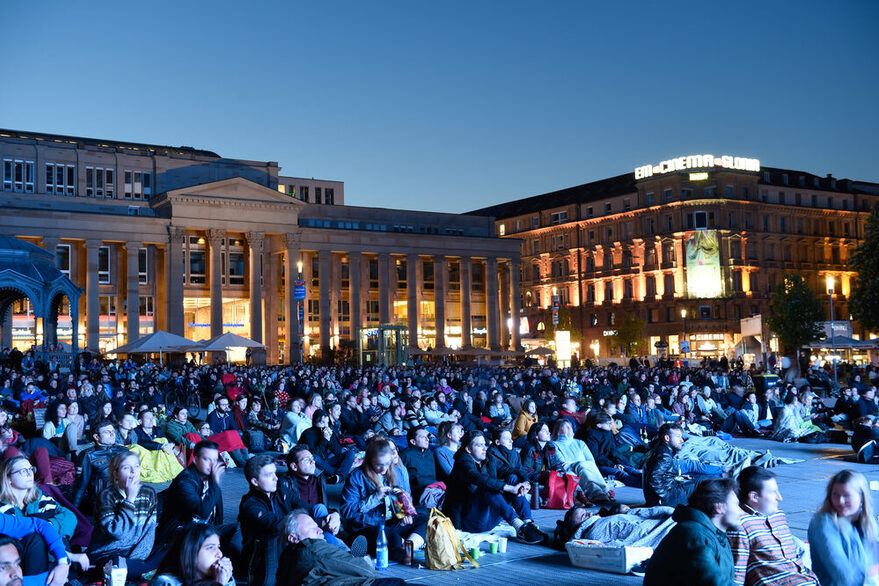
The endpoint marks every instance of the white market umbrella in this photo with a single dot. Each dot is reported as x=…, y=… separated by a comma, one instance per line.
x=157, y=342
x=224, y=342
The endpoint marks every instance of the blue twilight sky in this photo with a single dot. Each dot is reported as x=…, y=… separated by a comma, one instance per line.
x=454, y=105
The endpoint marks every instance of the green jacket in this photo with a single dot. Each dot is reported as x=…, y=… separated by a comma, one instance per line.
x=694, y=552
x=174, y=431
x=45, y=507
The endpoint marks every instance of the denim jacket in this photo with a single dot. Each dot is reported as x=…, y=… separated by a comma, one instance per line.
x=361, y=504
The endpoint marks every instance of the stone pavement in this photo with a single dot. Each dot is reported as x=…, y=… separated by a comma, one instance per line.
x=802, y=487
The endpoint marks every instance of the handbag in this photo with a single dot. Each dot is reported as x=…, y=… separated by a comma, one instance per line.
x=560, y=490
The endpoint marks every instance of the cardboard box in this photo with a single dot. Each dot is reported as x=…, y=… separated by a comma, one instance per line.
x=594, y=555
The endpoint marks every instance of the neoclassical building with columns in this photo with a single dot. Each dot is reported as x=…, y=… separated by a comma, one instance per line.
x=184, y=240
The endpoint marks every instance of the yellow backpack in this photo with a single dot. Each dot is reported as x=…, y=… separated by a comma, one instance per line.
x=443, y=550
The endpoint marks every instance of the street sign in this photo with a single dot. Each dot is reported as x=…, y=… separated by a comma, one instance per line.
x=301, y=313
x=299, y=290
x=555, y=318
x=685, y=346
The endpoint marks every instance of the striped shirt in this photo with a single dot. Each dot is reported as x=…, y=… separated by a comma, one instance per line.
x=764, y=552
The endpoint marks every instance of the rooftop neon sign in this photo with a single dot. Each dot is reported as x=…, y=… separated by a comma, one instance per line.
x=697, y=162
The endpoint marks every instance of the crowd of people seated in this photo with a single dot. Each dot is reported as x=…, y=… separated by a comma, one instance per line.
x=480, y=444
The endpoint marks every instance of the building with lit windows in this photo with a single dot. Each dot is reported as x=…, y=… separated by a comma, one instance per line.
x=184, y=240
x=690, y=244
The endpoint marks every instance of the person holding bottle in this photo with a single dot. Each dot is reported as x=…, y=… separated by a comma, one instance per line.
x=368, y=503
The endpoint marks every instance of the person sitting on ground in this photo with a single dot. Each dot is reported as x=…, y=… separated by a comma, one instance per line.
x=126, y=520
x=259, y=424
x=432, y=413
x=539, y=456
x=526, y=418
x=323, y=443
x=696, y=550
x=610, y=461
x=501, y=457
x=195, y=559
x=308, y=490
x=576, y=459
x=449, y=435
x=178, y=427
x=56, y=423
x=225, y=432
x=790, y=425
x=195, y=495
x=295, y=423
x=844, y=406
x=260, y=514
x=92, y=471
x=369, y=500
x=764, y=551
x=309, y=560
x=842, y=535
x=24, y=540
x=866, y=403
x=475, y=495
x=499, y=411
x=669, y=480
x=21, y=497
x=419, y=461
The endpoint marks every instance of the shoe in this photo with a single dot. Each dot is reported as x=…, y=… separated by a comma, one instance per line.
x=334, y=479
x=583, y=499
x=530, y=534
x=359, y=547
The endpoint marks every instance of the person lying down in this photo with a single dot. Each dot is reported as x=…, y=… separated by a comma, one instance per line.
x=616, y=526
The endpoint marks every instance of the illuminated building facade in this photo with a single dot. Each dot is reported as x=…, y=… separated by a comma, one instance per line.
x=183, y=240
x=703, y=236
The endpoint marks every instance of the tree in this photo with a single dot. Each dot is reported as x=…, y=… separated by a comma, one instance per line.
x=795, y=311
x=865, y=260
x=629, y=333
x=566, y=322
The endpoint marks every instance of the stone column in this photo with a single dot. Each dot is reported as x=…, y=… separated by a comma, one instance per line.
x=291, y=272
x=270, y=331
x=50, y=328
x=93, y=304
x=335, y=297
x=215, y=240
x=133, y=291
x=412, y=261
x=6, y=327
x=384, y=289
x=491, y=303
x=255, y=245
x=440, y=282
x=326, y=276
x=466, y=325
x=505, y=305
x=174, y=274
x=515, y=303
x=355, y=296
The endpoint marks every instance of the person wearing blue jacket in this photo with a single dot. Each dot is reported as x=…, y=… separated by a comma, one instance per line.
x=21, y=527
x=843, y=533
x=368, y=502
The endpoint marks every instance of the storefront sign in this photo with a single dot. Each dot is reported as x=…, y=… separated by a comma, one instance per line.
x=609, y=333
x=697, y=162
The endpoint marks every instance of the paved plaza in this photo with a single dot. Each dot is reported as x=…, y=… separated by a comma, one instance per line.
x=802, y=487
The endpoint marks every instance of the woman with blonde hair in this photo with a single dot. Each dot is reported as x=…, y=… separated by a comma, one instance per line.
x=843, y=533
x=126, y=519
x=20, y=496
x=368, y=502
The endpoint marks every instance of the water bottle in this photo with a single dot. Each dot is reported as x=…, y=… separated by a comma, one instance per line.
x=381, y=549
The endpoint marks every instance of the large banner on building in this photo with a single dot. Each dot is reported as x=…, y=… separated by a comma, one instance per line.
x=703, y=264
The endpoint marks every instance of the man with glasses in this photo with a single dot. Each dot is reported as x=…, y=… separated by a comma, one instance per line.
x=92, y=470
x=309, y=490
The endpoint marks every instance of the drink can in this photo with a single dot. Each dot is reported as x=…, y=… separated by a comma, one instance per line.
x=408, y=552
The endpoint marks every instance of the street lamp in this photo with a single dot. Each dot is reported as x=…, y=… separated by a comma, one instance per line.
x=830, y=283
x=299, y=308
x=684, y=318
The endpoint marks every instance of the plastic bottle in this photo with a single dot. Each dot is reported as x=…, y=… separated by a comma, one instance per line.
x=381, y=549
